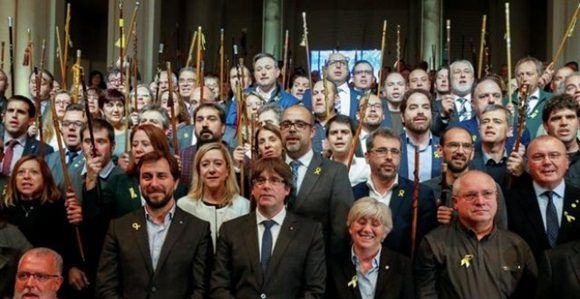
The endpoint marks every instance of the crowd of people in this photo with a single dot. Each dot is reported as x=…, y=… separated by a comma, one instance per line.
x=438, y=185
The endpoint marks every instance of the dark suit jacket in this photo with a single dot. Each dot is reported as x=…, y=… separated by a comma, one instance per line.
x=354, y=98
x=325, y=196
x=125, y=267
x=74, y=170
x=394, y=279
x=559, y=272
x=399, y=239
x=524, y=216
x=435, y=161
x=297, y=268
x=472, y=125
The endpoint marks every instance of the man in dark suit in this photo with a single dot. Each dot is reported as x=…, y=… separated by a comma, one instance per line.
x=385, y=185
x=559, y=272
x=542, y=207
x=321, y=187
x=141, y=255
x=19, y=115
x=279, y=254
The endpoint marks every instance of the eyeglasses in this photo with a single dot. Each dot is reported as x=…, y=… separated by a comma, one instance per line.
x=42, y=277
x=274, y=181
x=363, y=72
x=473, y=195
x=78, y=123
x=382, y=151
x=456, y=145
x=301, y=125
x=375, y=106
x=339, y=62
x=540, y=157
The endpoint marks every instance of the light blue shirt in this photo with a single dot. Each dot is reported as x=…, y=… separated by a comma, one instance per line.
x=156, y=234
x=557, y=198
x=425, y=160
x=367, y=283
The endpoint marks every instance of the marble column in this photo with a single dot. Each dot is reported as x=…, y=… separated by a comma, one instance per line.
x=431, y=32
x=272, y=28
x=559, y=15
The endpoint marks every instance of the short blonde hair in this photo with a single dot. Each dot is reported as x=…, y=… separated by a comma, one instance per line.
x=368, y=207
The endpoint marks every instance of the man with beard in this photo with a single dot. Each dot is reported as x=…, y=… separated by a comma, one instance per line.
x=374, y=118
x=416, y=114
x=419, y=79
x=39, y=274
x=456, y=149
x=321, y=187
x=324, y=95
x=493, y=156
x=159, y=250
x=572, y=86
x=300, y=84
x=336, y=69
x=363, y=76
x=394, y=89
x=385, y=185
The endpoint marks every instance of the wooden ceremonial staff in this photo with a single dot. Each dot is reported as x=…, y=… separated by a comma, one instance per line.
x=191, y=47
x=508, y=41
x=135, y=69
x=355, y=139
x=198, y=56
x=442, y=200
x=159, y=55
x=171, y=105
x=2, y=56
x=285, y=61
x=27, y=60
x=127, y=102
x=481, y=46
x=306, y=46
x=448, y=40
x=567, y=35
x=121, y=41
x=398, y=62
x=39, y=75
x=239, y=110
x=59, y=51
x=522, y=115
x=64, y=58
x=383, y=45
x=221, y=97
x=11, y=50
x=415, y=203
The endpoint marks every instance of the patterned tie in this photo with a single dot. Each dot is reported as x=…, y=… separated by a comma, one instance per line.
x=463, y=115
x=337, y=103
x=70, y=157
x=295, y=165
x=530, y=107
x=8, y=154
x=266, y=243
x=552, y=225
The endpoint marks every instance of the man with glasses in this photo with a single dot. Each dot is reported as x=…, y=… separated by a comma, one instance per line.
x=472, y=257
x=384, y=184
x=39, y=274
x=280, y=255
x=363, y=77
x=543, y=208
x=321, y=187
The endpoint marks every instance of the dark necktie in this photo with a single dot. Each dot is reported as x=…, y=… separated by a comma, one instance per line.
x=70, y=157
x=266, y=243
x=8, y=154
x=552, y=225
x=295, y=165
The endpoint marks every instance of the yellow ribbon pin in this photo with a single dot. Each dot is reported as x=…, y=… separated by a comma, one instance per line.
x=401, y=193
x=353, y=281
x=569, y=217
x=466, y=260
x=436, y=155
x=317, y=170
x=133, y=194
x=136, y=226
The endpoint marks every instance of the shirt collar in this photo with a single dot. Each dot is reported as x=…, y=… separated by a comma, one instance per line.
x=104, y=172
x=371, y=185
x=304, y=160
x=376, y=258
x=21, y=139
x=278, y=218
x=559, y=190
x=168, y=216
x=487, y=157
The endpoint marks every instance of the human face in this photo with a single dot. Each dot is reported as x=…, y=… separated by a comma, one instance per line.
x=187, y=82
x=559, y=77
x=269, y=144
x=419, y=79
x=114, y=82
x=253, y=104
x=71, y=126
x=462, y=79
x=457, y=150
x=266, y=73
x=269, y=117
x=45, y=86
x=213, y=169
x=572, y=87
x=547, y=162
x=339, y=138
x=320, y=103
x=299, y=86
x=297, y=141
x=61, y=101
x=486, y=93
x=395, y=87
x=29, y=180
x=103, y=145
x=270, y=196
x=32, y=287
x=527, y=73
x=384, y=158
x=494, y=127
x=157, y=184
x=363, y=77
x=140, y=145
x=165, y=103
x=114, y=111
x=245, y=77
x=214, y=86
x=163, y=81
x=93, y=99
x=3, y=82
x=16, y=119
x=367, y=233
x=417, y=116
x=442, y=81
x=476, y=202
x=374, y=114
x=208, y=126
x=337, y=68
x=562, y=124
x=153, y=118
x=143, y=96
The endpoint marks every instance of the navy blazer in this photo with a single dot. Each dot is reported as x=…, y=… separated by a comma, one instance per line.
x=435, y=162
x=399, y=239
x=354, y=98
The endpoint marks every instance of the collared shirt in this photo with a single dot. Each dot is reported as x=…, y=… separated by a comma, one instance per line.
x=267, y=95
x=104, y=172
x=425, y=160
x=275, y=229
x=533, y=100
x=363, y=140
x=359, y=171
x=489, y=161
x=557, y=198
x=344, y=95
x=18, y=148
x=386, y=197
x=156, y=234
x=367, y=282
x=452, y=263
x=459, y=106
x=304, y=163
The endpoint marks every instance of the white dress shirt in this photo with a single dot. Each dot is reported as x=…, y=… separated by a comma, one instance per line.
x=275, y=229
x=557, y=198
x=344, y=101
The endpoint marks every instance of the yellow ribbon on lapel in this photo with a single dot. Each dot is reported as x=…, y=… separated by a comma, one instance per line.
x=401, y=193
x=466, y=260
x=133, y=193
x=353, y=281
x=317, y=170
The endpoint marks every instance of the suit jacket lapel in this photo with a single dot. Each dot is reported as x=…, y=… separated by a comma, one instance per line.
x=532, y=211
x=252, y=246
x=568, y=211
x=285, y=236
x=383, y=280
x=404, y=164
x=175, y=231
x=310, y=179
x=349, y=271
x=139, y=230
x=398, y=196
